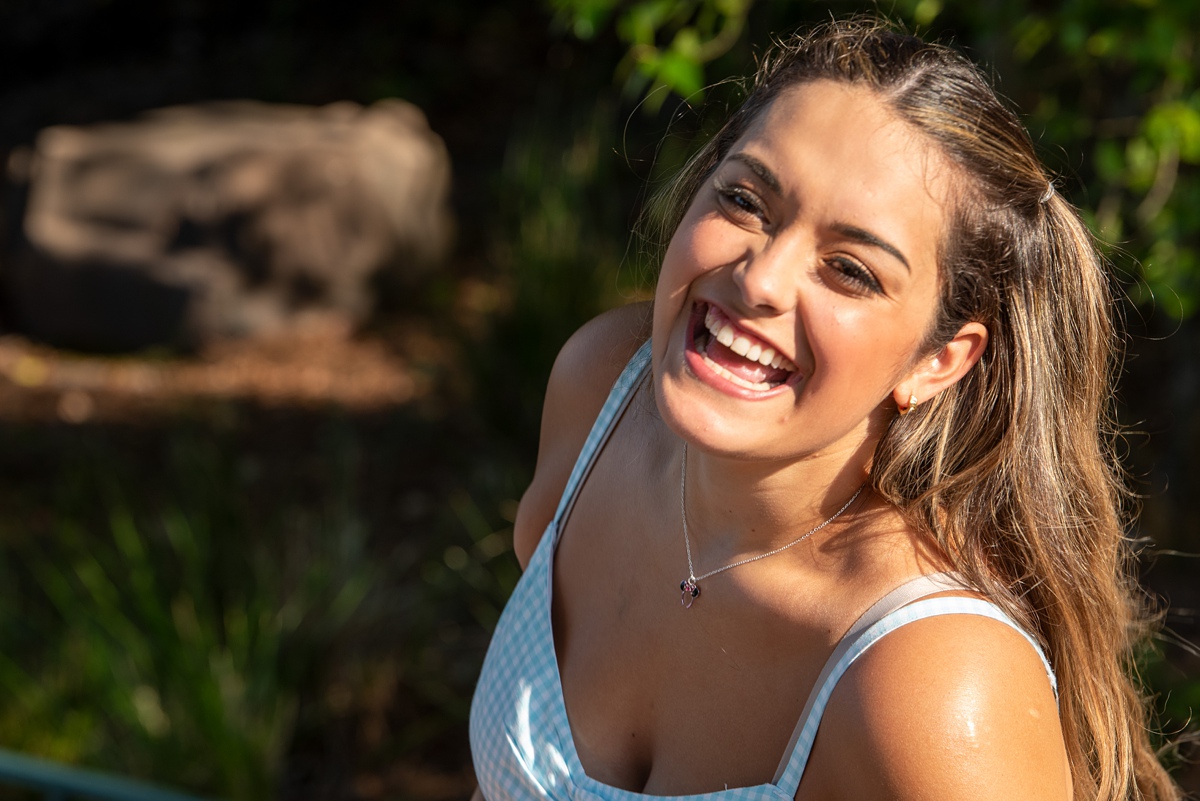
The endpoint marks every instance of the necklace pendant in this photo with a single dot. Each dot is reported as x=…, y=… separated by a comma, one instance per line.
x=689, y=591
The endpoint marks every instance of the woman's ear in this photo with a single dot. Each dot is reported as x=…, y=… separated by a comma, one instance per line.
x=942, y=369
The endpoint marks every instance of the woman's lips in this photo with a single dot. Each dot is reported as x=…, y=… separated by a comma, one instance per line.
x=732, y=360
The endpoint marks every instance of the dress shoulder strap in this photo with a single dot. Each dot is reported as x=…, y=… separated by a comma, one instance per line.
x=903, y=605
x=614, y=406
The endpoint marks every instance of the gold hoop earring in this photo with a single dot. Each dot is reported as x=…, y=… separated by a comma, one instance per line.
x=912, y=404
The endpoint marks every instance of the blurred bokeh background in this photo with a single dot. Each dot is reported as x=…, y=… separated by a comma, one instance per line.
x=280, y=285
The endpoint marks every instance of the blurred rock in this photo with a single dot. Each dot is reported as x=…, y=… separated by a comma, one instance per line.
x=197, y=223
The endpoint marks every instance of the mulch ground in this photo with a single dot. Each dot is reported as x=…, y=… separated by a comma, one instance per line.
x=319, y=365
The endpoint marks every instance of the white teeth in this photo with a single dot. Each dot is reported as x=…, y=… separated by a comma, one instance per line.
x=728, y=336
x=736, y=379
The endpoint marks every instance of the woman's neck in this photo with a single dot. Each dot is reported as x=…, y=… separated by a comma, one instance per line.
x=737, y=508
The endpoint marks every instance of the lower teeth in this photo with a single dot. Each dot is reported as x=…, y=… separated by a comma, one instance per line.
x=721, y=371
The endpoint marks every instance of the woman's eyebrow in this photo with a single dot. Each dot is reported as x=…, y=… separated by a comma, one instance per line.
x=868, y=238
x=759, y=169
x=848, y=231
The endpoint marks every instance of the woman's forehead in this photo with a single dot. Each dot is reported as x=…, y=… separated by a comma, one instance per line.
x=859, y=122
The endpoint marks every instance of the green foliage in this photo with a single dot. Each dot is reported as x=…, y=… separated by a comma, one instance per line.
x=1114, y=82
x=463, y=578
x=173, y=647
x=562, y=222
x=1117, y=83
x=249, y=618
x=669, y=41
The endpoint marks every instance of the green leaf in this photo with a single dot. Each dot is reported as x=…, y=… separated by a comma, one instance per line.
x=927, y=11
x=1175, y=125
x=679, y=68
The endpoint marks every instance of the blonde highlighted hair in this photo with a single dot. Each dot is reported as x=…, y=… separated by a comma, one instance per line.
x=1012, y=470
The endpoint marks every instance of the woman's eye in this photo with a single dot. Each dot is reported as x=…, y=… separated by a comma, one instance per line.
x=855, y=275
x=740, y=202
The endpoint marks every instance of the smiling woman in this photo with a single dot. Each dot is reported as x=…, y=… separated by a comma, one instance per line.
x=797, y=243
x=875, y=375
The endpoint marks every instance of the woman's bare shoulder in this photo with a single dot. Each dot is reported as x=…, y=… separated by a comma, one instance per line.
x=583, y=374
x=950, y=707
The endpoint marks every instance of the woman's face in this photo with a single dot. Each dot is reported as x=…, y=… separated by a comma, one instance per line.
x=798, y=289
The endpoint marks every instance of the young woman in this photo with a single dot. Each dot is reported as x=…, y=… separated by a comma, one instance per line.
x=836, y=517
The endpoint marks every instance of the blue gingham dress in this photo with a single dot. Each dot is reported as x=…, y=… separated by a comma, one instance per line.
x=521, y=739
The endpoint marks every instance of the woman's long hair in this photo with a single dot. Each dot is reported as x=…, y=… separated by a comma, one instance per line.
x=1011, y=470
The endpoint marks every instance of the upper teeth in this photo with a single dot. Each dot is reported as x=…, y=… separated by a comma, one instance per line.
x=742, y=345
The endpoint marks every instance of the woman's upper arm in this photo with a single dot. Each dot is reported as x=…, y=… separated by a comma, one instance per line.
x=947, y=708
x=584, y=372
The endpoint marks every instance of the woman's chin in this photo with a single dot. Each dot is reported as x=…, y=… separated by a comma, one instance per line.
x=697, y=419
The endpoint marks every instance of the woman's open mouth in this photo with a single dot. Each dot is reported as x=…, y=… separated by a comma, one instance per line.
x=736, y=355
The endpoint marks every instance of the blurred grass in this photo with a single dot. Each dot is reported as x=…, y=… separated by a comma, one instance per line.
x=249, y=609
x=171, y=643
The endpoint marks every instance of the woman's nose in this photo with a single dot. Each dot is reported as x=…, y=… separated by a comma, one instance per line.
x=768, y=277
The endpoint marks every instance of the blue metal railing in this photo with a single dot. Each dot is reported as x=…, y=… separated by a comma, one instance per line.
x=60, y=782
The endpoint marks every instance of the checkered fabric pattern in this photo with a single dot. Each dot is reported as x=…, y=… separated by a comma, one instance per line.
x=520, y=736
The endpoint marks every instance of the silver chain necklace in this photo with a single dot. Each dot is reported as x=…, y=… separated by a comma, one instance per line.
x=690, y=587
